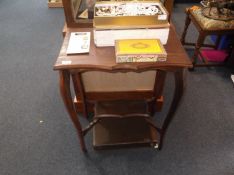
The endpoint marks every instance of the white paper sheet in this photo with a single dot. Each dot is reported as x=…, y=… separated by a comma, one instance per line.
x=79, y=42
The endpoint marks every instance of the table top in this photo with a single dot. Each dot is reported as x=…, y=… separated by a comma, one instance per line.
x=104, y=57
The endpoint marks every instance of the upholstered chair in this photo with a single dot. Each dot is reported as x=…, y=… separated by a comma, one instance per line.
x=205, y=27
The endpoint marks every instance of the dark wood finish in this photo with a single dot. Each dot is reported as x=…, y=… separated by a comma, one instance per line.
x=92, y=96
x=120, y=109
x=203, y=33
x=178, y=92
x=79, y=91
x=169, y=4
x=70, y=19
x=158, y=89
x=124, y=132
x=67, y=99
x=103, y=59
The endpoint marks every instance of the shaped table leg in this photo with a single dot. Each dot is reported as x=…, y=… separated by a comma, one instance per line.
x=179, y=86
x=67, y=99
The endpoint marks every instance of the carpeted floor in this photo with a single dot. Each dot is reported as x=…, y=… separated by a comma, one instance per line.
x=37, y=137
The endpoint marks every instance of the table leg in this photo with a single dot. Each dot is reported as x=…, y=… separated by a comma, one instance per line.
x=198, y=45
x=187, y=23
x=158, y=89
x=179, y=86
x=67, y=99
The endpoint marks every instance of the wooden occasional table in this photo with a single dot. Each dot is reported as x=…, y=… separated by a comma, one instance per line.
x=104, y=59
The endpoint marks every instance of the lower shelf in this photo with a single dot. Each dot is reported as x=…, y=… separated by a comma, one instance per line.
x=124, y=132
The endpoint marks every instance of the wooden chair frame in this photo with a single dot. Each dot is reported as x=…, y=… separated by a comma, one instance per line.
x=203, y=33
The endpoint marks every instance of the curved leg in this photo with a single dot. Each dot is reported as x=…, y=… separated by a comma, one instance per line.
x=179, y=86
x=187, y=23
x=67, y=99
x=198, y=45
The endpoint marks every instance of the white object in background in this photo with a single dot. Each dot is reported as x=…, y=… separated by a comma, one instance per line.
x=104, y=38
x=79, y=42
x=232, y=77
x=162, y=17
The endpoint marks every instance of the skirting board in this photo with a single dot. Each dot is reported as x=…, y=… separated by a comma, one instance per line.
x=55, y=3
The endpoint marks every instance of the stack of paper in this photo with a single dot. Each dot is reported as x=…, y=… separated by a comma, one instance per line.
x=79, y=42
